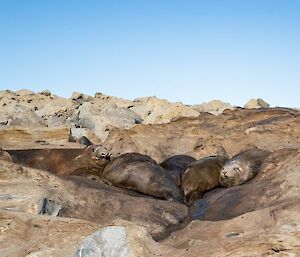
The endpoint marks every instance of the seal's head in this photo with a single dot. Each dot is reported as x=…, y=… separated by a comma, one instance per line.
x=230, y=174
x=91, y=161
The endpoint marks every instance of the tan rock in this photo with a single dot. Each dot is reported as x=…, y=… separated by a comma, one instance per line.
x=156, y=111
x=23, y=92
x=256, y=103
x=214, y=107
x=200, y=137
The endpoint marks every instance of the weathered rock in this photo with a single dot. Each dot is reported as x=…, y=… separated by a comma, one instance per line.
x=5, y=156
x=81, y=98
x=108, y=242
x=100, y=120
x=214, y=107
x=48, y=207
x=45, y=93
x=155, y=111
x=256, y=103
x=35, y=138
x=23, y=92
x=199, y=137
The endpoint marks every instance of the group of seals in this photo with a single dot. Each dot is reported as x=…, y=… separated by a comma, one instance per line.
x=179, y=178
x=215, y=171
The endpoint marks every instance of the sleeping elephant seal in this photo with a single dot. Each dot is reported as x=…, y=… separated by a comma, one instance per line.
x=5, y=156
x=176, y=165
x=142, y=174
x=201, y=176
x=242, y=167
x=63, y=162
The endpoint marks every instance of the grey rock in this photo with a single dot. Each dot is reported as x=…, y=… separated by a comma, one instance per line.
x=45, y=93
x=77, y=133
x=256, y=104
x=108, y=242
x=138, y=120
x=17, y=118
x=100, y=120
x=81, y=98
x=48, y=207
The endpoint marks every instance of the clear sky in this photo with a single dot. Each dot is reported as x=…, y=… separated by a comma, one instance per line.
x=182, y=50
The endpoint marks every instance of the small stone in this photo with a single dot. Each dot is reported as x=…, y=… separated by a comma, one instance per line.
x=138, y=120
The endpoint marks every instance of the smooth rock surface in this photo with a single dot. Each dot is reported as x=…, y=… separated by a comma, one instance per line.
x=108, y=242
x=256, y=103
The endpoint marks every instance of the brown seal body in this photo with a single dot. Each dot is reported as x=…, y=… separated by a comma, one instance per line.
x=5, y=156
x=176, y=165
x=142, y=174
x=201, y=176
x=61, y=161
x=242, y=167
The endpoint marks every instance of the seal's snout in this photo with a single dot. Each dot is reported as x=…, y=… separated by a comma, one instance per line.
x=225, y=174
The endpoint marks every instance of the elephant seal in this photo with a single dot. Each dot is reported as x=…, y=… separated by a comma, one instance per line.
x=176, y=165
x=201, y=176
x=242, y=167
x=5, y=156
x=142, y=174
x=63, y=162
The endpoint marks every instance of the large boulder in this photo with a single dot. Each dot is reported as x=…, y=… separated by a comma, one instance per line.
x=200, y=137
x=256, y=104
x=154, y=110
x=100, y=119
x=35, y=138
x=214, y=107
x=81, y=98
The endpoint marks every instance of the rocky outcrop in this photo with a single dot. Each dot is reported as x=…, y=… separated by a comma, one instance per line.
x=101, y=113
x=51, y=213
x=200, y=137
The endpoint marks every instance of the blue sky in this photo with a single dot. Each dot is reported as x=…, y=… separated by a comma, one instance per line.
x=189, y=51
